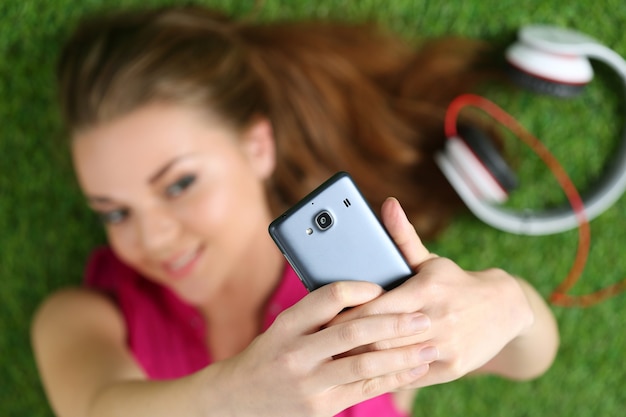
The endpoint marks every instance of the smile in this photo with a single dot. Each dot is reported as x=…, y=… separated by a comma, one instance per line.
x=183, y=265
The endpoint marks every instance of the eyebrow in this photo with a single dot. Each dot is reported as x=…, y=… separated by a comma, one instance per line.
x=151, y=180
x=163, y=170
x=98, y=200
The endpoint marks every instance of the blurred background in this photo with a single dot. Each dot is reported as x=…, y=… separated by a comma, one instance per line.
x=46, y=231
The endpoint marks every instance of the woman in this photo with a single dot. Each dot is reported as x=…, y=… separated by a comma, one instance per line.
x=190, y=133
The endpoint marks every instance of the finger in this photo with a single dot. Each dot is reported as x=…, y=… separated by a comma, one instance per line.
x=363, y=390
x=403, y=233
x=374, y=365
x=415, y=339
x=439, y=373
x=335, y=340
x=320, y=306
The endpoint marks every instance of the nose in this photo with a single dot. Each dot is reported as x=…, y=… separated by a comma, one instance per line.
x=157, y=229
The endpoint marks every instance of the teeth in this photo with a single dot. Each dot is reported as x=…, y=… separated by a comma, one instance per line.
x=181, y=262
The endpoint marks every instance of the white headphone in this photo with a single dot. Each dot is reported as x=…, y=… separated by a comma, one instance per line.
x=549, y=60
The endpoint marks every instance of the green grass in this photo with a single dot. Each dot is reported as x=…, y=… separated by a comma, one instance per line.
x=46, y=233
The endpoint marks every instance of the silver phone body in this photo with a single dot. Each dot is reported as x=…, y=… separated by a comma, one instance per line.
x=355, y=246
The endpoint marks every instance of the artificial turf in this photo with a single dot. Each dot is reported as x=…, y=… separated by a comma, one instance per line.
x=46, y=232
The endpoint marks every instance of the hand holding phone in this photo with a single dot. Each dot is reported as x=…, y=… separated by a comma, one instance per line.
x=332, y=234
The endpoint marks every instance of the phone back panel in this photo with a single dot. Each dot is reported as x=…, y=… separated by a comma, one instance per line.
x=355, y=247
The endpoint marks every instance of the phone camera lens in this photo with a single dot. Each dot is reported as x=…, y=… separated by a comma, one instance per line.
x=324, y=220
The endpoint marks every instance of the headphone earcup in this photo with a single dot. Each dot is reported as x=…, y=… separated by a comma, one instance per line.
x=541, y=85
x=544, y=61
x=490, y=157
x=474, y=166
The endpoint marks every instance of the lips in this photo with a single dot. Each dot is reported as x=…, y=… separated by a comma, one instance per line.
x=182, y=265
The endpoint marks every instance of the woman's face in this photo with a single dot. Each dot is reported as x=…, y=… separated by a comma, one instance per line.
x=181, y=197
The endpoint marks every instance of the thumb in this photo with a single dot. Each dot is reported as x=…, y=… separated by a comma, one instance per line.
x=403, y=233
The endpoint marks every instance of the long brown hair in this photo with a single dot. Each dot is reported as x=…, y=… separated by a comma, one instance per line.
x=339, y=96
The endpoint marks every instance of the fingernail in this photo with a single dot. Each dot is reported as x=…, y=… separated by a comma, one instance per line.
x=420, y=323
x=429, y=354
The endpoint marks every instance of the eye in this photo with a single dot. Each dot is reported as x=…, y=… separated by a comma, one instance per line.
x=179, y=186
x=113, y=216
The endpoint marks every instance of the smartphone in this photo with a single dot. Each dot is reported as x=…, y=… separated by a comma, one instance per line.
x=332, y=234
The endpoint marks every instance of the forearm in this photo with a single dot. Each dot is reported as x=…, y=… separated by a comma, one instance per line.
x=533, y=351
x=194, y=396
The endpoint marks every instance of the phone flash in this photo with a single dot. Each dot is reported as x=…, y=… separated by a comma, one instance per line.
x=309, y=231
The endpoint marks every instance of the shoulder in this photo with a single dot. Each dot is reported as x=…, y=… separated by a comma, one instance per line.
x=75, y=308
x=79, y=342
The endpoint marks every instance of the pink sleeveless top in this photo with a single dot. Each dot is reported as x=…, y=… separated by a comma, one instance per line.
x=167, y=336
